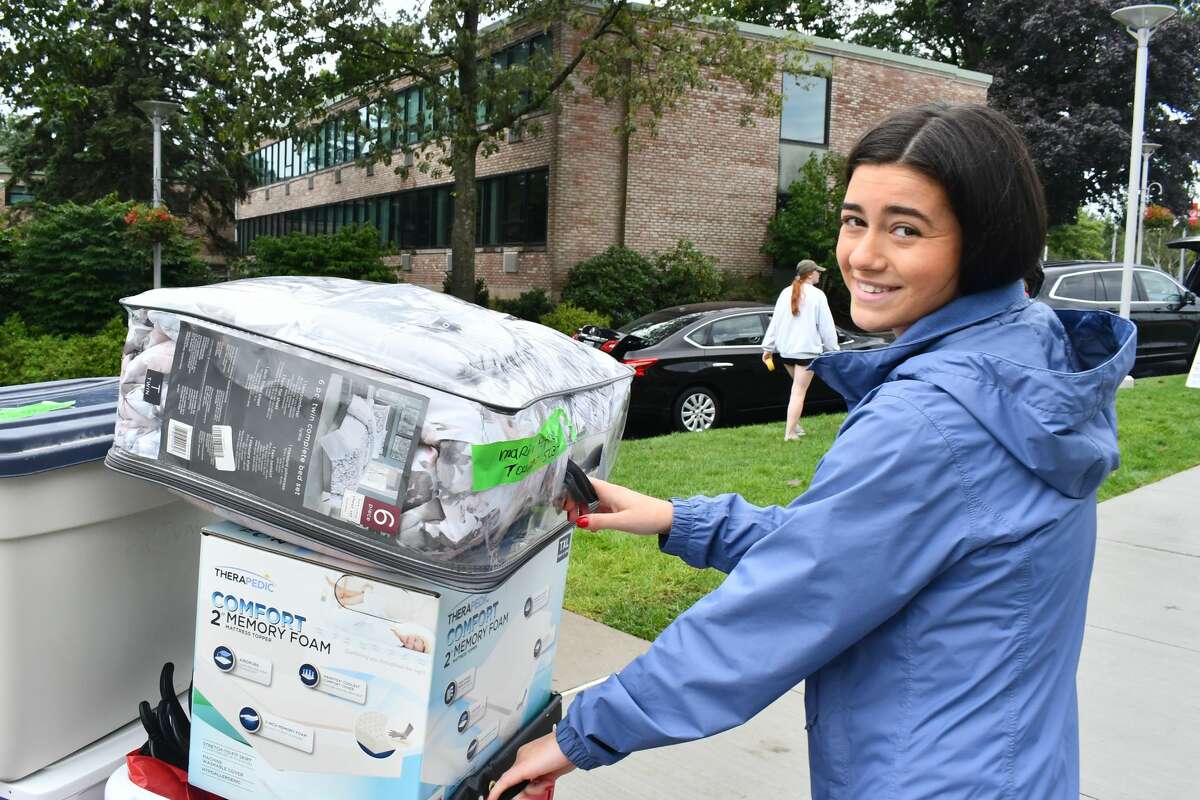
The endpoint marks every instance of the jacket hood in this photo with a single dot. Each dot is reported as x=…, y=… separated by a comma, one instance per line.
x=1049, y=400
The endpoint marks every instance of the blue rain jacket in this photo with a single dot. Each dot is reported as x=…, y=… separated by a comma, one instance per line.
x=929, y=586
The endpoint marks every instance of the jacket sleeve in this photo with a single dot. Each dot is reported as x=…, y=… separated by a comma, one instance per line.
x=716, y=531
x=825, y=326
x=887, y=512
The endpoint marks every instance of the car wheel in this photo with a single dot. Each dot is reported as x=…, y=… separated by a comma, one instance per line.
x=696, y=409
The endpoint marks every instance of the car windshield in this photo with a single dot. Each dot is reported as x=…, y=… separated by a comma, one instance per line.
x=653, y=328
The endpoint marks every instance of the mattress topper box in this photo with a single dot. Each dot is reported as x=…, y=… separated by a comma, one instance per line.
x=316, y=678
x=382, y=422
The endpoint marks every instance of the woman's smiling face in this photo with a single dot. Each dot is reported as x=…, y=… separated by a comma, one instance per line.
x=899, y=247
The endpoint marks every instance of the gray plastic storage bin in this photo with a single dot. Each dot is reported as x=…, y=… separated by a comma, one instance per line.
x=97, y=576
x=385, y=422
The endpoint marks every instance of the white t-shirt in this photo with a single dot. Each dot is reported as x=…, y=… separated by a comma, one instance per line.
x=805, y=335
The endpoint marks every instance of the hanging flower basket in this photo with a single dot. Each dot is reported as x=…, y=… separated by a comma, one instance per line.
x=1158, y=217
x=148, y=226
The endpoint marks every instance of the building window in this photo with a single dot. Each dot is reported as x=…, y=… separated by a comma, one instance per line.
x=512, y=211
x=16, y=193
x=348, y=134
x=805, y=116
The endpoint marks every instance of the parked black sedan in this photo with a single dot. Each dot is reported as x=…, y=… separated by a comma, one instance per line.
x=1165, y=313
x=699, y=364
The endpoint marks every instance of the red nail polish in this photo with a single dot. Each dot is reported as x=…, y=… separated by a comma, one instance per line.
x=582, y=522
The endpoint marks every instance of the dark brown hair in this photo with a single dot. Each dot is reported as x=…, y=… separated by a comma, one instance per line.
x=980, y=160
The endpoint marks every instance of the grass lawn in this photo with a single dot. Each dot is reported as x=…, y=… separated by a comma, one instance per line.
x=623, y=580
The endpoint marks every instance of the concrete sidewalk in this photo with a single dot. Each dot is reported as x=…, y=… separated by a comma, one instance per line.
x=1139, y=679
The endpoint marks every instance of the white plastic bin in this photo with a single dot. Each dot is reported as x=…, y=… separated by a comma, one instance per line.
x=97, y=576
x=81, y=775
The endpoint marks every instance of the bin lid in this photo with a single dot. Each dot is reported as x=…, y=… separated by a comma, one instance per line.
x=58, y=424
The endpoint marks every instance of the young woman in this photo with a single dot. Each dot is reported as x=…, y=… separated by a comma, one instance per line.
x=930, y=585
x=801, y=329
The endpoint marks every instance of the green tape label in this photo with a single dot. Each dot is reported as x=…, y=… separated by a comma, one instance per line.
x=21, y=412
x=508, y=462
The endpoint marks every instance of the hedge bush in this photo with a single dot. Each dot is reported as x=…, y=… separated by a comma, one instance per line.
x=757, y=288
x=568, y=318
x=531, y=305
x=619, y=283
x=30, y=358
x=71, y=263
x=685, y=275
x=352, y=252
x=482, y=298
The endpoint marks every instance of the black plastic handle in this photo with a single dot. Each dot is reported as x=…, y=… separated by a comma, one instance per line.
x=480, y=783
x=579, y=486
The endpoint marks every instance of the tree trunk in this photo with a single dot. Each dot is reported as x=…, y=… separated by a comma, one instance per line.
x=623, y=169
x=462, y=234
x=464, y=146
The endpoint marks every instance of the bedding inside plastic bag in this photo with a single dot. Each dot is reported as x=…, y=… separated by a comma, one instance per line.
x=385, y=422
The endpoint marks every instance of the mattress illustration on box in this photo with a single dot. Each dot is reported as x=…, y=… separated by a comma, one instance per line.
x=384, y=422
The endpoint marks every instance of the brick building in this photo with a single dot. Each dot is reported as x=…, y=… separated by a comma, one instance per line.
x=550, y=201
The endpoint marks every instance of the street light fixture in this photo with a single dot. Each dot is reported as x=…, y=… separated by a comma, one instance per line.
x=1148, y=150
x=157, y=111
x=1140, y=21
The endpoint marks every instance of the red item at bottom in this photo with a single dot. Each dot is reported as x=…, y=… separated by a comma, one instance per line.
x=162, y=779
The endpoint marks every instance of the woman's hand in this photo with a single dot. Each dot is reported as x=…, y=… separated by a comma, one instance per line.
x=622, y=509
x=540, y=762
x=766, y=359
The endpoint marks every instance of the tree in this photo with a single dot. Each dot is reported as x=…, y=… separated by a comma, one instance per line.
x=812, y=17
x=74, y=70
x=1087, y=238
x=645, y=57
x=10, y=138
x=1063, y=72
x=70, y=264
x=808, y=223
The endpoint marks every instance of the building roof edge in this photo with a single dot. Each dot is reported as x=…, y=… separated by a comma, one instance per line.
x=834, y=47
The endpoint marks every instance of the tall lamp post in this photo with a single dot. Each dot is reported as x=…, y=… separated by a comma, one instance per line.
x=1148, y=150
x=1140, y=21
x=157, y=111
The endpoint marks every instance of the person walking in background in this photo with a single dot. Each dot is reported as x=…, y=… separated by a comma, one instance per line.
x=801, y=329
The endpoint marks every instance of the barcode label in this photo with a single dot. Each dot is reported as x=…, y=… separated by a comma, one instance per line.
x=179, y=439
x=222, y=445
x=352, y=506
